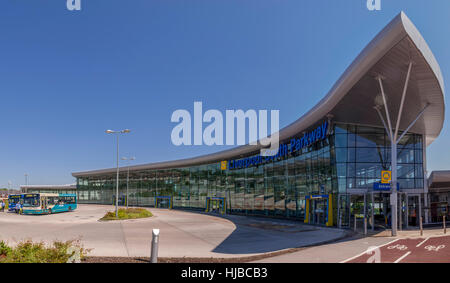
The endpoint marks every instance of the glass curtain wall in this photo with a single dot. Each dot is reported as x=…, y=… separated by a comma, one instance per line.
x=351, y=157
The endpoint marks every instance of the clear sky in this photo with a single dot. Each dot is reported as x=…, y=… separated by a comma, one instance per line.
x=67, y=76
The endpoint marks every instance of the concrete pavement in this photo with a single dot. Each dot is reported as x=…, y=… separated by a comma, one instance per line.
x=183, y=234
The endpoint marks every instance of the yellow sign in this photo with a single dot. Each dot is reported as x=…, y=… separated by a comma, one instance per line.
x=386, y=177
x=223, y=165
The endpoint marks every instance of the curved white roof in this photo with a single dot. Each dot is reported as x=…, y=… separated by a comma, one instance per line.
x=351, y=99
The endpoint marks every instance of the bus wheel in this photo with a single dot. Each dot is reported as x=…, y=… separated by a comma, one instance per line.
x=70, y=208
x=49, y=211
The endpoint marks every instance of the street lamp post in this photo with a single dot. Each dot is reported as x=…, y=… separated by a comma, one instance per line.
x=117, y=180
x=128, y=172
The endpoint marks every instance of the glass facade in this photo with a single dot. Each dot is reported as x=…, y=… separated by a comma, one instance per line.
x=351, y=157
x=363, y=152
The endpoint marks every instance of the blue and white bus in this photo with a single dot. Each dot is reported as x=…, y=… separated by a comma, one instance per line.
x=13, y=200
x=44, y=203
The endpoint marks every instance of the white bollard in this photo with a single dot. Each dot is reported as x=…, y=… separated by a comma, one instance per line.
x=365, y=225
x=155, y=243
x=445, y=228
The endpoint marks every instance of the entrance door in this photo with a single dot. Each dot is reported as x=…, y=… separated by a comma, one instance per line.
x=318, y=211
x=216, y=205
x=344, y=210
x=413, y=210
x=382, y=209
x=163, y=203
x=402, y=209
x=357, y=209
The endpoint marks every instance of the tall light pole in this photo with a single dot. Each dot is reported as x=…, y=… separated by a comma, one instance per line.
x=117, y=180
x=26, y=179
x=128, y=172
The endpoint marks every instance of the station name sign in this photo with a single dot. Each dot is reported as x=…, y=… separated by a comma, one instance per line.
x=383, y=187
x=295, y=145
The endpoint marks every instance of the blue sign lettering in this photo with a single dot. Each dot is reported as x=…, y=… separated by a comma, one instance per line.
x=295, y=145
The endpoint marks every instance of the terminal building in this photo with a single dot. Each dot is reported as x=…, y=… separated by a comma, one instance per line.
x=330, y=159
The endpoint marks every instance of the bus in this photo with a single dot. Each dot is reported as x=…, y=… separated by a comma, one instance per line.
x=45, y=203
x=12, y=201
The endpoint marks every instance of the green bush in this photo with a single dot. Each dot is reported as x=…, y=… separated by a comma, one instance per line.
x=29, y=252
x=130, y=213
x=4, y=249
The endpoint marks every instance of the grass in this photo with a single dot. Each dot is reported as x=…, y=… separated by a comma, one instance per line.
x=130, y=213
x=29, y=252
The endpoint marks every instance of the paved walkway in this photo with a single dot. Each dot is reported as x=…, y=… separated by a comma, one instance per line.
x=183, y=234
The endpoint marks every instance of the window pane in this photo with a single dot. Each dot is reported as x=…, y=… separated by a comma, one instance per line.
x=341, y=155
x=340, y=140
x=369, y=140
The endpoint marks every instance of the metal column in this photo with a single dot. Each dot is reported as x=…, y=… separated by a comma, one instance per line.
x=400, y=212
x=407, y=212
x=339, y=211
x=425, y=181
x=420, y=207
x=365, y=207
x=373, y=213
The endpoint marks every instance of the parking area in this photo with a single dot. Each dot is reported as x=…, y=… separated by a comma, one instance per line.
x=183, y=234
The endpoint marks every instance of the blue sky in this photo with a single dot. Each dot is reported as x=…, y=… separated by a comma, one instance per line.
x=66, y=77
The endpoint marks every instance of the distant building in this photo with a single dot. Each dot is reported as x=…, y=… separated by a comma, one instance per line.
x=4, y=193
x=57, y=189
x=439, y=192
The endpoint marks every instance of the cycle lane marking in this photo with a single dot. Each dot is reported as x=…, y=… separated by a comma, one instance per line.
x=399, y=251
x=435, y=250
x=389, y=252
x=367, y=250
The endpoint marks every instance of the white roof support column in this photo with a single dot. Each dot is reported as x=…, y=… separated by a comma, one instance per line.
x=383, y=121
x=403, y=99
x=413, y=122
x=388, y=118
x=395, y=139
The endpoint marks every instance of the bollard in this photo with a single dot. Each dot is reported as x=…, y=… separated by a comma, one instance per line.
x=420, y=226
x=340, y=221
x=155, y=243
x=365, y=225
x=445, y=227
x=354, y=228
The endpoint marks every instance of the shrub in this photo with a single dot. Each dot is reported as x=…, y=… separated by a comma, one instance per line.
x=30, y=252
x=130, y=213
x=4, y=249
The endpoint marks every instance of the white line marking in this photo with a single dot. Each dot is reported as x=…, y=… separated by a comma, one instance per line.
x=422, y=242
x=402, y=257
x=364, y=252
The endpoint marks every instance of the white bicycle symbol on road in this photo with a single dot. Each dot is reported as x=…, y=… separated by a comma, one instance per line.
x=434, y=248
x=399, y=247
